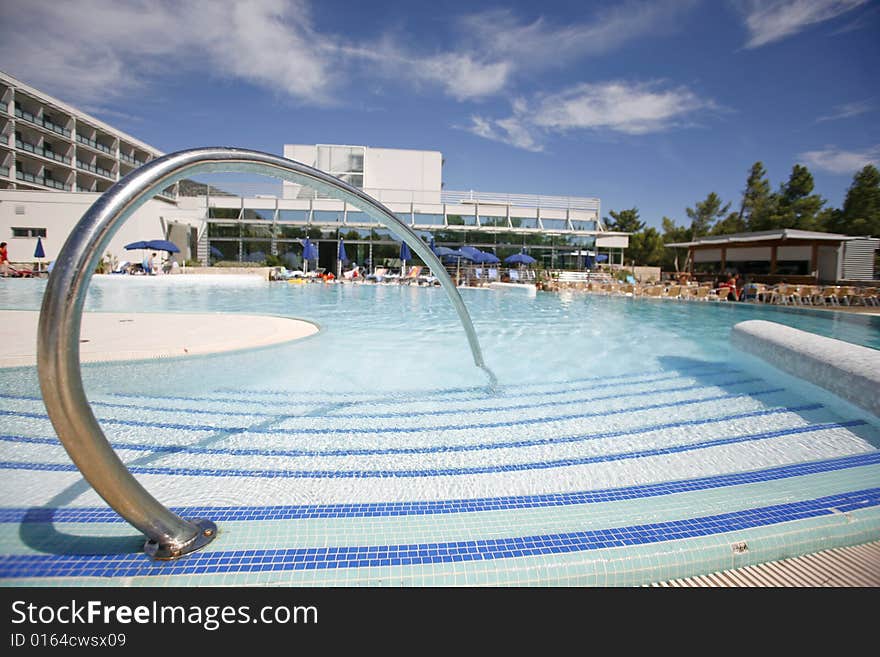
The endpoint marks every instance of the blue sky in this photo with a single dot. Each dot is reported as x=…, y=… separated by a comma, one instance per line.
x=647, y=104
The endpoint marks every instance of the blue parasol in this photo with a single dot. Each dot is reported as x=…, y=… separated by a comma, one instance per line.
x=520, y=259
x=405, y=253
x=38, y=252
x=161, y=245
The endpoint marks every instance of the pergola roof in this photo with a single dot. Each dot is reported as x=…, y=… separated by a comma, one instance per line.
x=764, y=236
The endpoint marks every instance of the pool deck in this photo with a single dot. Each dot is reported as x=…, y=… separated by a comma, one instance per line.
x=136, y=336
x=856, y=565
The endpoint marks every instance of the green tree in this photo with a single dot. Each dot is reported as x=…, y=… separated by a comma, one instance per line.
x=646, y=248
x=625, y=221
x=673, y=234
x=732, y=223
x=860, y=214
x=797, y=206
x=757, y=201
x=704, y=214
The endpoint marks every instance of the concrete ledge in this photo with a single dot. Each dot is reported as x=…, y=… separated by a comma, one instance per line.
x=139, y=336
x=850, y=371
x=527, y=288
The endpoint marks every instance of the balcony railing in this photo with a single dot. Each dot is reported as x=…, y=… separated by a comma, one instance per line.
x=127, y=158
x=4, y=171
x=94, y=144
x=94, y=169
x=40, y=180
x=519, y=200
x=36, y=150
x=44, y=123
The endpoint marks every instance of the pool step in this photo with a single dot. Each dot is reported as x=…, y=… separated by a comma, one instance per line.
x=857, y=565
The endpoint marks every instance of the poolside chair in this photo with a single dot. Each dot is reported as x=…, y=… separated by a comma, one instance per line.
x=412, y=275
x=672, y=292
x=868, y=296
x=514, y=275
x=847, y=295
x=493, y=274
x=780, y=295
x=701, y=293
x=378, y=275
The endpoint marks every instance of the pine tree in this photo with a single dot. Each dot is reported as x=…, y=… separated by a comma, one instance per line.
x=757, y=201
x=704, y=214
x=797, y=206
x=625, y=221
x=861, y=208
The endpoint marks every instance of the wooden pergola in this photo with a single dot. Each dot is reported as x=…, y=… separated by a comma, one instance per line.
x=767, y=246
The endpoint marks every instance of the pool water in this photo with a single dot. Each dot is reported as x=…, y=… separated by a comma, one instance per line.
x=626, y=443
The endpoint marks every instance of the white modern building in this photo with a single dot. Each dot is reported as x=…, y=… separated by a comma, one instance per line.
x=55, y=161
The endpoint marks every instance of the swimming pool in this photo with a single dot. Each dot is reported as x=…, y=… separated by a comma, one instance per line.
x=626, y=443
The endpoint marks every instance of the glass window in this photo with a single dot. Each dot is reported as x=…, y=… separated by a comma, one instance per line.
x=353, y=179
x=555, y=224
x=297, y=216
x=291, y=232
x=793, y=267
x=262, y=213
x=256, y=230
x=254, y=251
x=327, y=216
x=29, y=232
x=223, y=213
x=223, y=250
x=524, y=222
x=358, y=217
x=223, y=230
x=429, y=219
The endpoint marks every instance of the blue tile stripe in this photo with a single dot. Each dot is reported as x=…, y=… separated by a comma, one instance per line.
x=454, y=411
x=471, y=447
x=391, y=429
x=434, y=507
x=445, y=472
x=320, y=558
x=482, y=392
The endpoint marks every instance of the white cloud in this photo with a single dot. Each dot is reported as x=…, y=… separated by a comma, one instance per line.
x=93, y=51
x=510, y=131
x=104, y=48
x=501, y=35
x=620, y=106
x=836, y=160
x=461, y=76
x=770, y=21
x=493, y=47
x=847, y=111
x=617, y=106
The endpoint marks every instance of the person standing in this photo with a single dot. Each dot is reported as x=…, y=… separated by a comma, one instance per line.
x=4, y=260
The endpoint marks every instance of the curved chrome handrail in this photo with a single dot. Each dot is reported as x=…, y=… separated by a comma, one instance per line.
x=169, y=535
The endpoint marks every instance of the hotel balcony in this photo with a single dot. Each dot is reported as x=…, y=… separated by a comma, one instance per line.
x=93, y=168
x=37, y=179
x=95, y=145
x=48, y=153
x=40, y=122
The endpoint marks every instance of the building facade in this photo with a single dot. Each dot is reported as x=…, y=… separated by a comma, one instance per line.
x=46, y=144
x=55, y=161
